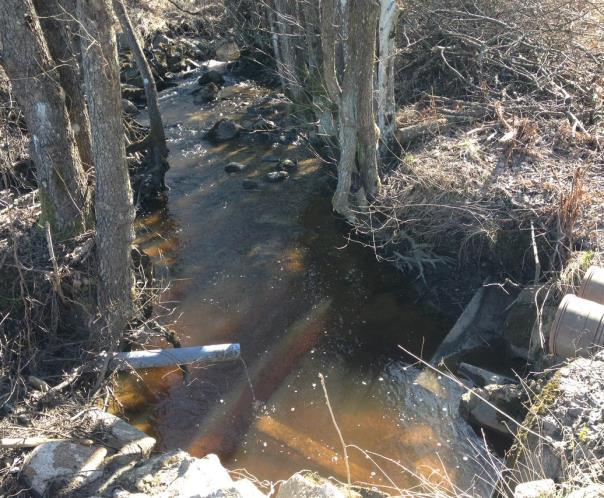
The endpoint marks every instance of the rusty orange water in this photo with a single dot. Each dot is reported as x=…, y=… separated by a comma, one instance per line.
x=272, y=270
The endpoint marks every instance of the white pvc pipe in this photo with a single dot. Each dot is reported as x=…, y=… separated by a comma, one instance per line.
x=154, y=358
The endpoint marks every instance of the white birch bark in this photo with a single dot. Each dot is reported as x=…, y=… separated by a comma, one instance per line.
x=386, y=106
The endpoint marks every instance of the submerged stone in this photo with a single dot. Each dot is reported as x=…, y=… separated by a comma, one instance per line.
x=250, y=184
x=276, y=176
x=206, y=93
x=223, y=130
x=287, y=165
x=235, y=167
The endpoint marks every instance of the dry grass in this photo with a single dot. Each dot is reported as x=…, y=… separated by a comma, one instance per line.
x=501, y=116
x=151, y=16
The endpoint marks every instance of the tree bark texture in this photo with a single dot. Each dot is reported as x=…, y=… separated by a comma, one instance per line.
x=358, y=135
x=386, y=105
x=113, y=199
x=328, y=49
x=362, y=40
x=34, y=80
x=61, y=31
x=288, y=33
x=156, y=139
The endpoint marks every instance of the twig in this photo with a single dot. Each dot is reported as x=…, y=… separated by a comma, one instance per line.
x=32, y=442
x=535, y=254
x=335, y=424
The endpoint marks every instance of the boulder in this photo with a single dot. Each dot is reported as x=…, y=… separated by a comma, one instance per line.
x=223, y=130
x=62, y=463
x=227, y=50
x=544, y=488
x=302, y=486
x=276, y=176
x=119, y=433
x=507, y=398
x=177, y=474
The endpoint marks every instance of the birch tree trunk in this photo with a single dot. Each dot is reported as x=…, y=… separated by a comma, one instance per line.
x=386, y=105
x=287, y=35
x=113, y=199
x=156, y=140
x=60, y=30
x=28, y=63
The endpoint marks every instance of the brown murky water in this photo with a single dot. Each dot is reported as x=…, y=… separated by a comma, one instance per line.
x=271, y=269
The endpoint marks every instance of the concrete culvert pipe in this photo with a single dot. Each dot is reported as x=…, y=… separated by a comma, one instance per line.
x=592, y=287
x=577, y=328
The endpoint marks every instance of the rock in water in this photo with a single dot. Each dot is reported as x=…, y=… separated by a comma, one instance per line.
x=210, y=76
x=287, y=165
x=206, y=93
x=276, y=176
x=235, y=167
x=223, y=130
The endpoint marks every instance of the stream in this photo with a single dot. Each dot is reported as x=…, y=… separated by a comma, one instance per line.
x=269, y=266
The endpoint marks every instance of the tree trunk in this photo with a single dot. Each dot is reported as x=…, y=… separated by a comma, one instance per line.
x=386, y=106
x=358, y=134
x=113, y=199
x=363, y=25
x=328, y=47
x=28, y=64
x=60, y=31
x=156, y=138
x=287, y=30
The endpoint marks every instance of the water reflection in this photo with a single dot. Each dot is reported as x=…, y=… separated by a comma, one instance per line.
x=270, y=269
